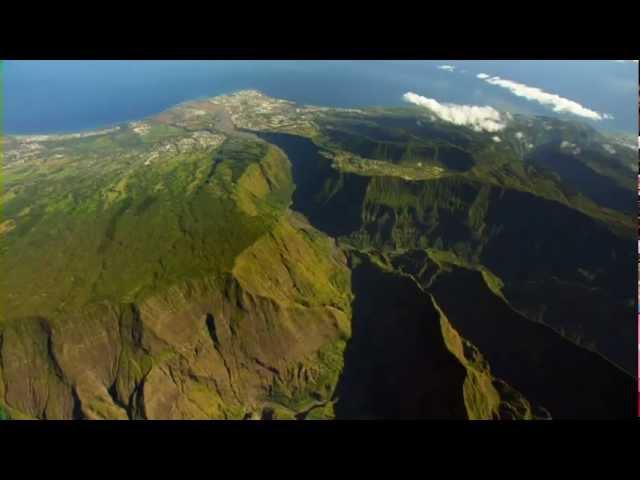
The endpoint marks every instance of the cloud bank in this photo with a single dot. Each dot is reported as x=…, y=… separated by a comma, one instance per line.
x=486, y=119
x=556, y=102
x=448, y=68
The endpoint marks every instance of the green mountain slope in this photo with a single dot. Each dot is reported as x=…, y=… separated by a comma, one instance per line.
x=406, y=360
x=547, y=246
x=183, y=288
x=244, y=257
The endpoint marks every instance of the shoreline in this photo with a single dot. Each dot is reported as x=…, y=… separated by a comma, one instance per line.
x=96, y=130
x=111, y=127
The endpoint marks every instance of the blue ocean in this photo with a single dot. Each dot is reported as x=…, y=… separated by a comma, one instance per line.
x=61, y=96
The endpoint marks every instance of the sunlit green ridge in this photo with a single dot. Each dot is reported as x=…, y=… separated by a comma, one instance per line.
x=246, y=257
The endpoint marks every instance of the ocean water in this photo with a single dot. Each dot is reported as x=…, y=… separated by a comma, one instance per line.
x=62, y=96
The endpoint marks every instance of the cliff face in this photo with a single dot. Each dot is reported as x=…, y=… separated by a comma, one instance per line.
x=225, y=276
x=199, y=350
x=206, y=351
x=207, y=299
x=541, y=243
x=263, y=330
x=511, y=255
x=405, y=359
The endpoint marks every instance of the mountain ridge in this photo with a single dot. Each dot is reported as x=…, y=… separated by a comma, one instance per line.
x=218, y=263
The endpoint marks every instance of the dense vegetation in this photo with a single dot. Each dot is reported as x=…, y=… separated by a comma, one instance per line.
x=375, y=264
x=548, y=244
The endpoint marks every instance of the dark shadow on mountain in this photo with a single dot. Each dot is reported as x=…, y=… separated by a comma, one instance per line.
x=317, y=183
x=403, y=149
x=533, y=238
x=587, y=316
x=455, y=159
x=421, y=128
x=571, y=382
x=599, y=188
x=396, y=362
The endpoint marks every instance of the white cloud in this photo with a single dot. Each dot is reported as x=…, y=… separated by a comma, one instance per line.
x=478, y=118
x=556, y=102
x=625, y=61
x=482, y=76
x=448, y=68
x=609, y=149
x=572, y=147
